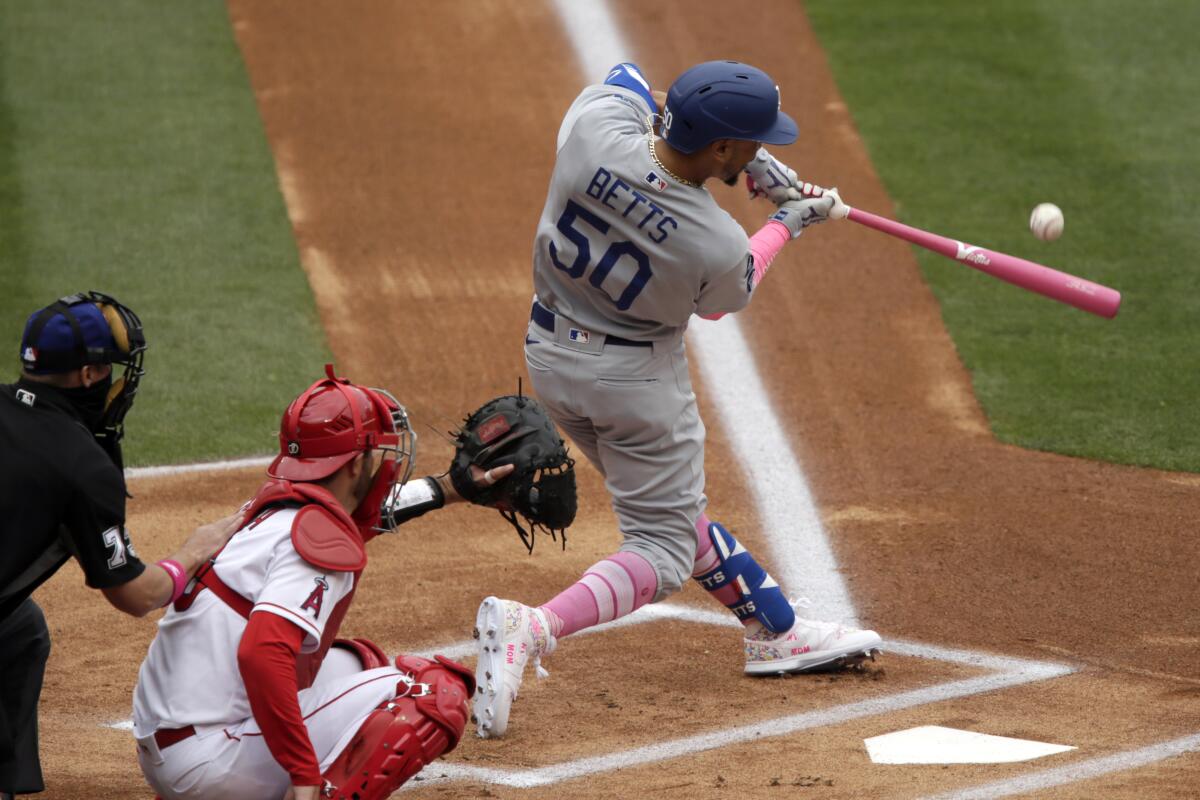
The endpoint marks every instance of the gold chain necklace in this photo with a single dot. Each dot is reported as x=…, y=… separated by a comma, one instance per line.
x=663, y=167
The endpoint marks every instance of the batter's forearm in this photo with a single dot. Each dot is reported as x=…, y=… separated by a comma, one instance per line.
x=764, y=246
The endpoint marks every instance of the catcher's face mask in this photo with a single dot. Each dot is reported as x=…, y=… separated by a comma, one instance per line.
x=397, y=448
x=89, y=328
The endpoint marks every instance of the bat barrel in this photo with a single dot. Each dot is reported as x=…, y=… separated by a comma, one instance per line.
x=1083, y=294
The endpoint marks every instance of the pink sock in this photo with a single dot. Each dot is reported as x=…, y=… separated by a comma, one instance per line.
x=707, y=561
x=612, y=588
x=706, y=556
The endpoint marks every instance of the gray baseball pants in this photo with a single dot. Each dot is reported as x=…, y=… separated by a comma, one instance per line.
x=632, y=412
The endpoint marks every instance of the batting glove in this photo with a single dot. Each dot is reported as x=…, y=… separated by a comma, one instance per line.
x=797, y=215
x=768, y=177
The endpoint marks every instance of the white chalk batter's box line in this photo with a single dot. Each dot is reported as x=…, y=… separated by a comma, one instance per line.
x=1004, y=672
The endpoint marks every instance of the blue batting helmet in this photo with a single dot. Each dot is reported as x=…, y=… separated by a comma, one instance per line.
x=724, y=100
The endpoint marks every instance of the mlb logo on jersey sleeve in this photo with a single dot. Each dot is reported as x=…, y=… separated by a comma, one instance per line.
x=658, y=183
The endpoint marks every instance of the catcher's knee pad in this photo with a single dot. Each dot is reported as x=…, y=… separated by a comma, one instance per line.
x=759, y=596
x=424, y=720
x=370, y=654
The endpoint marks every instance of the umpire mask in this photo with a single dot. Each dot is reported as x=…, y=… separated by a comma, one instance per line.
x=90, y=328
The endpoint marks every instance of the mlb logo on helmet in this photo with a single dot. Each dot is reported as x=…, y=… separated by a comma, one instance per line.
x=29, y=356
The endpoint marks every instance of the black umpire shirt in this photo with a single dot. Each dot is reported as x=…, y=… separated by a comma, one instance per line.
x=60, y=496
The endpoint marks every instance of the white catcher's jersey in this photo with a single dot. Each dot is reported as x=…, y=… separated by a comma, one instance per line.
x=622, y=248
x=190, y=675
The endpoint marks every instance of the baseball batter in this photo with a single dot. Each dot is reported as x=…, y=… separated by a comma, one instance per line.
x=246, y=692
x=629, y=247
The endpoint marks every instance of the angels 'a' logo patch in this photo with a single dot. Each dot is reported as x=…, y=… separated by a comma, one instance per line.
x=316, y=598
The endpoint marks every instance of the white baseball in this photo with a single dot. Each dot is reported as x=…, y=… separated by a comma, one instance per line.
x=1046, y=222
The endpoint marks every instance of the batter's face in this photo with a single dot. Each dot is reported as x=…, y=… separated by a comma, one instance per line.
x=732, y=156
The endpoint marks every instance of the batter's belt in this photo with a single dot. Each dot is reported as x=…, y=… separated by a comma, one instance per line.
x=547, y=319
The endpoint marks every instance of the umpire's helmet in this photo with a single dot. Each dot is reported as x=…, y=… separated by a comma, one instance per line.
x=724, y=100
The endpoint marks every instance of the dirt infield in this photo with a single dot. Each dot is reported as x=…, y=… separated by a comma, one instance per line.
x=413, y=143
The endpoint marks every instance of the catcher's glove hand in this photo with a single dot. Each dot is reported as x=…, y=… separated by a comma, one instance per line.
x=516, y=430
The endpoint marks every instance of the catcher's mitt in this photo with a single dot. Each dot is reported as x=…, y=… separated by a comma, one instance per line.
x=516, y=430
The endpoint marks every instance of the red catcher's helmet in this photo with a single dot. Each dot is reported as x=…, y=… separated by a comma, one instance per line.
x=332, y=422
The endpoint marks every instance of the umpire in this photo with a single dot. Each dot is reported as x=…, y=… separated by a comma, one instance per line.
x=62, y=494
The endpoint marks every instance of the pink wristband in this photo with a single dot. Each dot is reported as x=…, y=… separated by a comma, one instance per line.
x=175, y=570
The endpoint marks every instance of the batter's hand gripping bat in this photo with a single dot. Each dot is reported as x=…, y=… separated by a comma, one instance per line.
x=1083, y=294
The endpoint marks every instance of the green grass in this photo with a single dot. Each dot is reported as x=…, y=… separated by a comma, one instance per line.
x=133, y=160
x=972, y=114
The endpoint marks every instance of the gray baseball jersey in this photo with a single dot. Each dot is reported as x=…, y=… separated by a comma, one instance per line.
x=622, y=248
x=625, y=255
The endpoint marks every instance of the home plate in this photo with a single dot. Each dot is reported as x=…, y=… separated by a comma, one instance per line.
x=933, y=744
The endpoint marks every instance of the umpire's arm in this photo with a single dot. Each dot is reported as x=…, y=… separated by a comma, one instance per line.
x=157, y=585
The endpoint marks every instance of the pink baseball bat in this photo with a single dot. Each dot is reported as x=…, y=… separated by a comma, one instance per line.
x=1083, y=294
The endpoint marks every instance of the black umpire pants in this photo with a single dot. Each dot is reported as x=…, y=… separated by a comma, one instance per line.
x=24, y=649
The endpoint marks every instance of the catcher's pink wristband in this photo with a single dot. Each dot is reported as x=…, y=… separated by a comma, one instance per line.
x=175, y=570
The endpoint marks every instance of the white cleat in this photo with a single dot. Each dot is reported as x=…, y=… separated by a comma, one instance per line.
x=809, y=646
x=508, y=633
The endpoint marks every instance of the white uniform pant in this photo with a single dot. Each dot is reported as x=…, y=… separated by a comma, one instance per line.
x=632, y=412
x=233, y=763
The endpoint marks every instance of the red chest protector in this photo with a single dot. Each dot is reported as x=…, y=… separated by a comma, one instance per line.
x=322, y=533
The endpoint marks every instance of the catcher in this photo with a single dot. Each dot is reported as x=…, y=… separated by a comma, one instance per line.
x=246, y=691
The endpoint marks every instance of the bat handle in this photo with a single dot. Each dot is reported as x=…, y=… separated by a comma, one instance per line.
x=840, y=210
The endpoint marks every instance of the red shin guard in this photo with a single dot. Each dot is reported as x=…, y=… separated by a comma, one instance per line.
x=425, y=719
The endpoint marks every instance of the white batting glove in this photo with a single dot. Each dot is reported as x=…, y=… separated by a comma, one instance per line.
x=797, y=215
x=768, y=177
x=840, y=210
